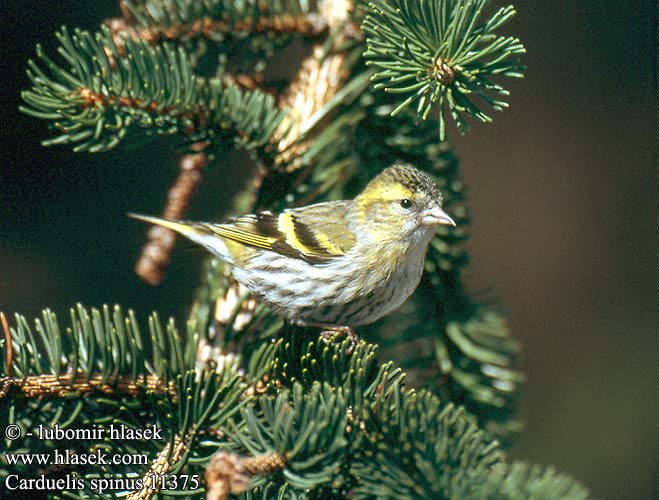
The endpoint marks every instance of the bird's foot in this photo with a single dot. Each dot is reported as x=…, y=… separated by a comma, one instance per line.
x=331, y=331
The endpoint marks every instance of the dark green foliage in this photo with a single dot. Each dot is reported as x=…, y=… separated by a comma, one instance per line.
x=97, y=97
x=359, y=430
x=104, y=93
x=478, y=357
x=307, y=428
x=357, y=373
x=415, y=448
x=435, y=51
x=108, y=348
x=519, y=480
x=101, y=342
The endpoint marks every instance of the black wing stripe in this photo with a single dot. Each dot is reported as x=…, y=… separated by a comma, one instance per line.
x=307, y=238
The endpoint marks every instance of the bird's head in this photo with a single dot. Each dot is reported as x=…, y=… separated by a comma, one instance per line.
x=400, y=203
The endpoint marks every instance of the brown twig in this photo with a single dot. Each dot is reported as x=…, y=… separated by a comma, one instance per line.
x=34, y=386
x=308, y=26
x=157, y=250
x=9, y=353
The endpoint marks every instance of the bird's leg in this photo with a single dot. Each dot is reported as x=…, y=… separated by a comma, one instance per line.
x=330, y=331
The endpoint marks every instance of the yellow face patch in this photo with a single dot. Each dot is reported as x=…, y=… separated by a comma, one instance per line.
x=386, y=193
x=399, y=182
x=397, y=192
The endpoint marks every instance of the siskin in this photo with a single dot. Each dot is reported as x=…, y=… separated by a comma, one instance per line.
x=336, y=264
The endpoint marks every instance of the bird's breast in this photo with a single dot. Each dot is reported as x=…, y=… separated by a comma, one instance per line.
x=352, y=290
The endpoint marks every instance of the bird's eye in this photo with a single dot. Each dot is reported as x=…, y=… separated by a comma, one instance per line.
x=405, y=203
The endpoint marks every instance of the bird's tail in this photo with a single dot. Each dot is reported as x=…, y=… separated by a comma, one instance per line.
x=194, y=231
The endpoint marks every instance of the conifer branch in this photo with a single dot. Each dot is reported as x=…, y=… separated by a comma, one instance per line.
x=160, y=467
x=82, y=385
x=478, y=357
x=99, y=97
x=512, y=481
x=283, y=425
x=449, y=456
x=308, y=26
x=398, y=443
x=233, y=311
x=226, y=16
x=101, y=350
x=319, y=79
x=436, y=52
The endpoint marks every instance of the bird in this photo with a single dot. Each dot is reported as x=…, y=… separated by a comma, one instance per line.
x=333, y=265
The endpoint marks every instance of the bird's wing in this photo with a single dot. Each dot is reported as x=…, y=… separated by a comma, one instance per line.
x=316, y=233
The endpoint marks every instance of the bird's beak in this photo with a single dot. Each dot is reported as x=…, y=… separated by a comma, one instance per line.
x=435, y=216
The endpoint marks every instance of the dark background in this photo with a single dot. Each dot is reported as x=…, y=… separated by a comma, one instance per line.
x=562, y=189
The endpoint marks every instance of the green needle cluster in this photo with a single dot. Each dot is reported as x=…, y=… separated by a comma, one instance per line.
x=440, y=52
